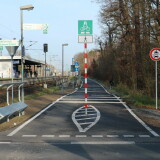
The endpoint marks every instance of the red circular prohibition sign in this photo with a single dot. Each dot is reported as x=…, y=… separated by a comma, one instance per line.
x=155, y=54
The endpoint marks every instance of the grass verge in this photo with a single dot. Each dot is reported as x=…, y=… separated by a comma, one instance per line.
x=134, y=97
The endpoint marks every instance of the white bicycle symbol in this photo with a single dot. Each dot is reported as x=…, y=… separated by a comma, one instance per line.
x=85, y=27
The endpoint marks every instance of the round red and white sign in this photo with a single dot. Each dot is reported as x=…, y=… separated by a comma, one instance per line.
x=155, y=54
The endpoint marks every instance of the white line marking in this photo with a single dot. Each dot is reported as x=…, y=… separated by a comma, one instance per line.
x=85, y=118
x=85, y=123
x=128, y=136
x=106, y=143
x=112, y=136
x=5, y=142
x=48, y=136
x=81, y=136
x=83, y=115
x=90, y=99
x=97, y=136
x=135, y=116
x=37, y=115
x=87, y=112
x=144, y=136
x=93, y=102
x=64, y=136
x=29, y=135
x=92, y=124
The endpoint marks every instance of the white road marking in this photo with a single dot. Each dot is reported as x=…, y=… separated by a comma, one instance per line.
x=29, y=135
x=85, y=123
x=111, y=99
x=97, y=136
x=81, y=136
x=128, y=136
x=86, y=118
x=48, y=136
x=92, y=124
x=144, y=136
x=112, y=136
x=5, y=142
x=106, y=143
x=37, y=115
x=64, y=136
x=83, y=115
x=93, y=102
x=83, y=111
x=135, y=116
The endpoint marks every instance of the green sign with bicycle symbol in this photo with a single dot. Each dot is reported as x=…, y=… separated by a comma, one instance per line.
x=85, y=27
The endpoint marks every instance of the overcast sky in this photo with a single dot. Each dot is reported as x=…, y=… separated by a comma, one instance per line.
x=62, y=17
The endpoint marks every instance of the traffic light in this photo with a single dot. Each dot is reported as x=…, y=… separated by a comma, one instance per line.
x=45, y=47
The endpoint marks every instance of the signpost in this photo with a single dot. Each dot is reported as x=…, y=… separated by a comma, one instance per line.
x=155, y=56
x=43, y=27
x=9, y=43
x=85, y=31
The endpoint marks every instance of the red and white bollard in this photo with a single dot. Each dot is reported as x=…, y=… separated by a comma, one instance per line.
x=85, y=77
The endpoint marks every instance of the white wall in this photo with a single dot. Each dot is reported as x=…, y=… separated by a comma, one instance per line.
x=5, y=69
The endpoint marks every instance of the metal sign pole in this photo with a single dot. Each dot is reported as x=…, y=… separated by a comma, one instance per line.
x=156, y=85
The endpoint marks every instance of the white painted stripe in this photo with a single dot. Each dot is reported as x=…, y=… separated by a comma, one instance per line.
x=85, y=60
x=85, y=118
x=84, y=115
x=112, y=136
x=29, y=135
x=94, y=102
x=64, y=136
x=85, y=78
x=5, y=142
x=97, y=136
x=85, y=123
x=37, y=115
x=144, y=136
x=48, y=136
x=85, y=90
x=83, y=112
x=128, y=136
x=81, y=136
x=134, y=115
x=106, y=143
x=90, y=99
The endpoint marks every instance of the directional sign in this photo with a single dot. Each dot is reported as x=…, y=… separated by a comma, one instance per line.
x=85, y=27
x=9, y=43
x=35, y=26
x=155, y=54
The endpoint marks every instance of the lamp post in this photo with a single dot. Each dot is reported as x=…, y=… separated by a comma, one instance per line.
x=65, y=44
x=27, y=7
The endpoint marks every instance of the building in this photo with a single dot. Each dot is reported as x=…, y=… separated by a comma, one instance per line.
x=32, y=67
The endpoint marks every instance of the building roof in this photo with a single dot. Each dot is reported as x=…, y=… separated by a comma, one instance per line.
x=28, y=60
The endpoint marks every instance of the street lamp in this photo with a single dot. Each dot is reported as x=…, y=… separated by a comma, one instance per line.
x=65, y=44
x=27, y=7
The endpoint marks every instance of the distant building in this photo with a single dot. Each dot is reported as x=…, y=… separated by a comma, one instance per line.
x=32, y=67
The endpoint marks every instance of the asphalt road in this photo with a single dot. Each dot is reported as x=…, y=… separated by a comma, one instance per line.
x=52, y=135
